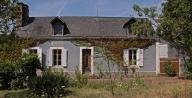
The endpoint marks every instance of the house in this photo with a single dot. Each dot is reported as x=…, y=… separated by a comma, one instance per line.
x=60, y=52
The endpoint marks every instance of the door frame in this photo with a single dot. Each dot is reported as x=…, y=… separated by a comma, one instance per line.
x=80, y=63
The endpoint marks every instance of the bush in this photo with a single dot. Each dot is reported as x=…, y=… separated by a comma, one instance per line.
x=49, y=84
x=188, y=66
x=29, y=63
x=168, y=69
x=8, y=72
x=19, y=83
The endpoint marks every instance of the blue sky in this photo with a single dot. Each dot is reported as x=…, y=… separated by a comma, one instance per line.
x=110, y=8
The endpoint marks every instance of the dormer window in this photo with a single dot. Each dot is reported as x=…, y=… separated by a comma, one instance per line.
x=128, y=30
x=128, y=26
x=59, y=28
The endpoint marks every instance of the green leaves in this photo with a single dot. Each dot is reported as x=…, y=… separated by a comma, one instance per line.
x=9, y=11
x=50, y=84
x=173, y=24
x=29, y=63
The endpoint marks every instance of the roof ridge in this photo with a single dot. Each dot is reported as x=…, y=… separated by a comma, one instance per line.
x=80, y=17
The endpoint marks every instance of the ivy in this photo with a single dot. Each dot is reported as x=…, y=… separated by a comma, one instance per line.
x=11, y=50
x=114, y=47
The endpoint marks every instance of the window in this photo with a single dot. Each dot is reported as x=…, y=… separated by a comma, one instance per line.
x=58, y=29
x=56, y=56
x=132, y=57
x=33, y=51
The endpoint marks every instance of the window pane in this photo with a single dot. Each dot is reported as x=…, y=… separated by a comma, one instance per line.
x=59, y=51
x=57, y=56
x=54, y=52
x=57, y=29
x=55, y=63
x=135, y=52
x=34, y=51
x=59, y=62
x=135, y=57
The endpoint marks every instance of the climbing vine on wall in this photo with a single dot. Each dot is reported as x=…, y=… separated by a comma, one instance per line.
x=114, y=47
x=11, y=50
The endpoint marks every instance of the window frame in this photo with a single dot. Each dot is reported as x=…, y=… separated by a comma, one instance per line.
x=57, y=57
x=64, y=57
x=132, y=56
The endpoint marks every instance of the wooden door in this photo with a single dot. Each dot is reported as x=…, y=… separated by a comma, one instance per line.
x=86, y=60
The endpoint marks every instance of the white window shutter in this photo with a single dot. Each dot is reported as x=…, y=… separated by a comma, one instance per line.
x=50, y=57
x=126, y=57
x=39, y=53
x=163, y=50
x=139, y=57
x=25, y=51
x=64, y=57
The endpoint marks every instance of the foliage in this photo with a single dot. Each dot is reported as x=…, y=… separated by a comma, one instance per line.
x=29, y=63
x=144, y=26
x=8, y=72
x=169, y=70
x=19, y=82
x=80, y=79
x=137, y=82
x=9, y=12
x=11, y=48
x=113, y=47
x=13, y=74
x=188, y=68
x=49, y=84
x=173, y=24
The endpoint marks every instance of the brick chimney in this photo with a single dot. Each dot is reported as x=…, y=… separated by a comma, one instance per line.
x=24, y=15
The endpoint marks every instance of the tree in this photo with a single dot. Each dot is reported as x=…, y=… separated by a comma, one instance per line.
x=172, y=25
x=9, y=12
x=175, y=25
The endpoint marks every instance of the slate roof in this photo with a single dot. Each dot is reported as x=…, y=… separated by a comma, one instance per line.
x=82, y=26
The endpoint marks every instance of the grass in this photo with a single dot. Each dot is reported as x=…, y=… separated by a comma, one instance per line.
x=154, y=87
x=4, y=93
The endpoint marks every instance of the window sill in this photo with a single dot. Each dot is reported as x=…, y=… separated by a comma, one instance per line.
x=58, y=66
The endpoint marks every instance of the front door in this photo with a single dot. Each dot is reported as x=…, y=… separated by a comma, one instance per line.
x=86, y=60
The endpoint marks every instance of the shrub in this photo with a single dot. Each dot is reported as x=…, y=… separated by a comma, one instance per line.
x=49, y=84
x=29, y=63
x=188, y=69
x=168, y=69
x=19, y=82
x=188, y=66
x=8, y=72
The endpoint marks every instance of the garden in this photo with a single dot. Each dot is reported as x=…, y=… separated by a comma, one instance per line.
x=19, y=80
